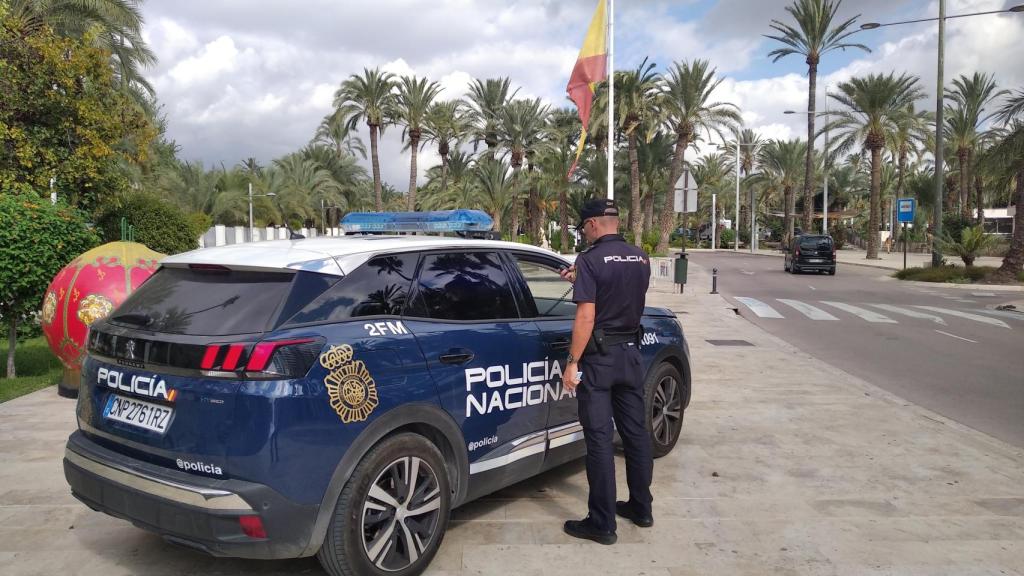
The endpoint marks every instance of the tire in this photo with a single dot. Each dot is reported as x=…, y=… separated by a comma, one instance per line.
x=832, y=271
x=661, y=404
x=794, y=269
x=365, y=536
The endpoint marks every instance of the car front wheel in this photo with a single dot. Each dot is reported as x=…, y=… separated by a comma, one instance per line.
x=392, y=514
x=666, y=401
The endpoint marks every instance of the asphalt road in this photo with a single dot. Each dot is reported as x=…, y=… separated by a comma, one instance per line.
x=942, y=348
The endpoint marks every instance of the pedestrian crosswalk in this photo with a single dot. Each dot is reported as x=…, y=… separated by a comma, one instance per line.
x=872, y=312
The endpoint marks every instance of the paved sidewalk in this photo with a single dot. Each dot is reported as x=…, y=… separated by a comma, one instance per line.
x=786, y=466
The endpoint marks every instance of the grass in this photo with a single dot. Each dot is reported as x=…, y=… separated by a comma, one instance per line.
x=36, y=367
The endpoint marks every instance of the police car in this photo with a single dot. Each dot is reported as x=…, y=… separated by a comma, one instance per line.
x=338, y=396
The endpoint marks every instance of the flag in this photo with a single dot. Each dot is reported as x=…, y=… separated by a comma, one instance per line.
x=591, y=67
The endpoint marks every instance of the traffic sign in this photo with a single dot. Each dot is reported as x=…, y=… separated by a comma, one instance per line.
x=905, y=209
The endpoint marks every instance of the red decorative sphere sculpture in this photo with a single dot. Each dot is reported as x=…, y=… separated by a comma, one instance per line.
x=87, y=289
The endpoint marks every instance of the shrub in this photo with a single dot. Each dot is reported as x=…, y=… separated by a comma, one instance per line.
x=953, y=274
x=728, y=236
x=159, y=225
x=970, y=243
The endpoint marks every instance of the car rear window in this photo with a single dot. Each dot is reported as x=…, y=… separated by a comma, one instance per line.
x=205, y=302
x=815, y=243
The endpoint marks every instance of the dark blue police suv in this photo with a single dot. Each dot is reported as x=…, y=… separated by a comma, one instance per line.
x=338, y=396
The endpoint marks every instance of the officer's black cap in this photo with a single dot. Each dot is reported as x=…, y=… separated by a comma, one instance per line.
x=597, y=207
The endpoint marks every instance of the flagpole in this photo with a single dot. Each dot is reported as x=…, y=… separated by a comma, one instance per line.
x=611, y=99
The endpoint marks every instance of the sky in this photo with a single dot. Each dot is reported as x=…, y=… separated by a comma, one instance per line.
x=239, y=79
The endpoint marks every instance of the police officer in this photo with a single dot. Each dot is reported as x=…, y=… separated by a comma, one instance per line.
x=610, y=286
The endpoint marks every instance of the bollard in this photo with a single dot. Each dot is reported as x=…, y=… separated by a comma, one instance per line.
x=714, y=280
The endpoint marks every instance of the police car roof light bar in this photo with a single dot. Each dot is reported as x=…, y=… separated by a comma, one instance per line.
x=433, y=221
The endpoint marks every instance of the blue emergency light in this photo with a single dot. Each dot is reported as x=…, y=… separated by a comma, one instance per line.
x=434, y=221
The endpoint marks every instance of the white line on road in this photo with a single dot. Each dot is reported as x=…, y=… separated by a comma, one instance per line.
x=811, y=287
x=1004, y=314
x=957, y=337
x=747, y=272
x=984, y=294
x=864, y=313
x=967, y=315
x=760, y=308
x=812, y=312
x=911, y=313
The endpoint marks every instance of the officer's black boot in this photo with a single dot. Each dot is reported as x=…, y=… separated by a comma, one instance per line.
x=586, y=530
x=627, y=511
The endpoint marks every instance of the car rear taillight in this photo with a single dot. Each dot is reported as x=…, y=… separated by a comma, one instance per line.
x=252, y=526
x=288, y=358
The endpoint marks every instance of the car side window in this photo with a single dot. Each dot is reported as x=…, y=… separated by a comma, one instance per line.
x=463, y=286
x=551, y=294
x=378, y=288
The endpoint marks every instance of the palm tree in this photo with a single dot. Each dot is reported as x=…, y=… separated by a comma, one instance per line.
x=368, y=98
x=1005, y=161
x=486, y=99
x=448, y=124
x=495, y=187
x=562, y=134
x=910, y=137
x=872, y=105
x=335, y=132
x=711, y=174
x=970, y=96
x=687, y=110
x=116, y=24
x=300, y=183
x=781, y=163
x=812, y=37
x=637, y=111
x=520, y=128
x=750, y=147
x=410, y=107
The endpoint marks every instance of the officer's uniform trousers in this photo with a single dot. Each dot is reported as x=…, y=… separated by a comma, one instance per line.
x=612, y=387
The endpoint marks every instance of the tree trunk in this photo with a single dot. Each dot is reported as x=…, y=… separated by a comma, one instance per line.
x=876, y=201
x=535, y=215
x=648, y=203
x=812, y=76
x=12, y=341
x=789, y=200
x=667, y=214
x=514, y=216
x=414, y=144
x=979, y=190
x=375, y=162
x=444, y=173
x=563, y=218
x=1013, y=262
x=635, y=211
x=962, y=156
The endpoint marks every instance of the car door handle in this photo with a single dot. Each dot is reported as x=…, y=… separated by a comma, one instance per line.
x=456, y=356
x=559, y=345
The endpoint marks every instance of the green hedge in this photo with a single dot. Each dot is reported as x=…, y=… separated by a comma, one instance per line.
x=953, y=274
x=37, y=366
x=158, y=224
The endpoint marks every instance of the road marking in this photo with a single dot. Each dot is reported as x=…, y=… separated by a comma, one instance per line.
x=967, y=315
x=959, y=299
x=911, y=313
x=984, y=294
x=869, y=315
x=812, y=312
x=811, y=287
x=1019, y=316
x=957, y=337
x=760, y=308
x=747, y=272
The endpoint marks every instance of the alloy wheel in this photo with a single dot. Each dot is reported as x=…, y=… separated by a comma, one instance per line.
x=666, y=410
x=400, y=514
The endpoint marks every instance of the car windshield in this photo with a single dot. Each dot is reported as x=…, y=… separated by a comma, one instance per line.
x=815, y=243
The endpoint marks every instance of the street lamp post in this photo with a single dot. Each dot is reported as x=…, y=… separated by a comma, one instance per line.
x=753, y=216
x=251, y=195
x=939, y=177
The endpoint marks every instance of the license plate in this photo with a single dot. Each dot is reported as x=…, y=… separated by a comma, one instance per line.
x=815, y=260
x=145, y=415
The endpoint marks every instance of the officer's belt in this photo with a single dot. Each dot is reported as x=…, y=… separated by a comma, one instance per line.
x=620, y=337
x=601, y=339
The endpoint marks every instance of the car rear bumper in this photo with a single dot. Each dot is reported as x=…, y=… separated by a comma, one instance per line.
x=806, y=265
x=194, y=511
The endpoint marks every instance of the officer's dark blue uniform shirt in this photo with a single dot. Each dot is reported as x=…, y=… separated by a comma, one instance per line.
x=613, y=275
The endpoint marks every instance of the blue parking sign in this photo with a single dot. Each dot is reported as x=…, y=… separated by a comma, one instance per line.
x=905, y=209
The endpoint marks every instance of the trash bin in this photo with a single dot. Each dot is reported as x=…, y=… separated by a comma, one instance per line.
x=681, y=265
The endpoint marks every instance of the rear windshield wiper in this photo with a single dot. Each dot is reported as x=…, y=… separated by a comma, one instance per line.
x=134, y=318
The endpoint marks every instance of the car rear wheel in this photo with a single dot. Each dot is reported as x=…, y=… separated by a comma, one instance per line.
x=666, y=402
x=392, y=514
x=832, y=271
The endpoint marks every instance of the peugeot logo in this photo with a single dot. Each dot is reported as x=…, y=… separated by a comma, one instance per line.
x=129, y=349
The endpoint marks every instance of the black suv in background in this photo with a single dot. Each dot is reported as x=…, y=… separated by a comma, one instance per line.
x=810, y=252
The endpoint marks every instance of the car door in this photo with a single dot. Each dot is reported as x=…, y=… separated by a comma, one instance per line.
x=484, y=358
x=548, y=300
